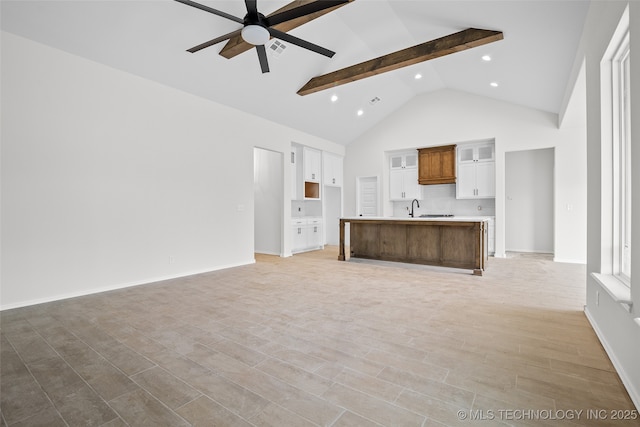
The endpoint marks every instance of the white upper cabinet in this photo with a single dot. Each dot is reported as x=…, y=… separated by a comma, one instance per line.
x=476, y=181
x=312, y=162
x=403, y=177
x=476, y=171
x=404, y=161
x=486, y=180
x=296, y=173
x=476, y=152
x=332, y=169
x=403, y=185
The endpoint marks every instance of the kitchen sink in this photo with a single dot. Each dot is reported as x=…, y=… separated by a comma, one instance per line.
x=436, y=216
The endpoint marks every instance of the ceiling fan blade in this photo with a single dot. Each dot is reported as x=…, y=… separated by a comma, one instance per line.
x=262, y=56
x=299, y=42
x=214, y=41
x=211, y=10
x=466, y=39
x=252, y=7
x=237, y=45
x=300, y=11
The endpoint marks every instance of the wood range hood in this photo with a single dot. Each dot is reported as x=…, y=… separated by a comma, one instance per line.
x=437, y=165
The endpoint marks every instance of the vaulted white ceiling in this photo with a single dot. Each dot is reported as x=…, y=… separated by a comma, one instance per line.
x=149, y=38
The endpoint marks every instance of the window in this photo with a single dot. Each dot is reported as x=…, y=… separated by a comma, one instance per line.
x=621, y=167
x=615, y=150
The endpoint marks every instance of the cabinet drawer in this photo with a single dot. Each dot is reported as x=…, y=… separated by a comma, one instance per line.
x=299, y=221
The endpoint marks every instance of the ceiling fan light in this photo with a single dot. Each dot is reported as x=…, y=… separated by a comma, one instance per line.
x=255, y=34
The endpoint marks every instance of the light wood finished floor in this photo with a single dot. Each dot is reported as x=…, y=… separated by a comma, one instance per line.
x=309, y=340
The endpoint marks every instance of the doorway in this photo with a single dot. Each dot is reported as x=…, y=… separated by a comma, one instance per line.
x=332, y=214
x=529, y=201
x=367, y=199
x=268, y=188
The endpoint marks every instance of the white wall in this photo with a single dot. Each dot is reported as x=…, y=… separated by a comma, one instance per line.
x=110, y=180
x=450, y=117
x=529, y=201
x=615, y=326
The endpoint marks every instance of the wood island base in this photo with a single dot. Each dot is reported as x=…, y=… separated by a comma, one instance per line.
x=446, y=243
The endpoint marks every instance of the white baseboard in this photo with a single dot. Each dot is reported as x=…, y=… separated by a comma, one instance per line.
x=530, y=251
x=628, y=384
x=570, y=261
x=117, y=286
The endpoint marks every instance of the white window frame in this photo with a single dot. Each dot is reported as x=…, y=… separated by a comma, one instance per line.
x=615, y=271
x=621, y=157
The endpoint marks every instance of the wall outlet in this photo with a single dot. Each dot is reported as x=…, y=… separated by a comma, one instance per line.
x=172, y=259
x=597, y=298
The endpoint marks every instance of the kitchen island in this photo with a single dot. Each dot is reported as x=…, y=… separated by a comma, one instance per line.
x=457, y=242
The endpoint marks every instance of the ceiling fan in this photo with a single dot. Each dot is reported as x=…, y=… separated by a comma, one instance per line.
x=257, y=29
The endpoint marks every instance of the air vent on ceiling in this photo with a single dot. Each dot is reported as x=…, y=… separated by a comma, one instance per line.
x=277, y=47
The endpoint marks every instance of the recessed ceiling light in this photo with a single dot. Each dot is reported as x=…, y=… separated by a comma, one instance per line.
x=486, y=58
x=360, y=112
x=418, y=76
x=493, y=84
x=334, y=98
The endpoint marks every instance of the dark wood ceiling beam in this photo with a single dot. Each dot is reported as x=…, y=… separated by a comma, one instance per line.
x=236, y=45
x=457, y=42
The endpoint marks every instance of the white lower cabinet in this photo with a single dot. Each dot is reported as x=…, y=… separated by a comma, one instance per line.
x=307, y=234
x=314, y=233
x=299, y=235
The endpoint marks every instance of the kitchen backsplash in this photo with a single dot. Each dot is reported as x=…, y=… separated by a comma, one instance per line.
x=441, y=199
x=306, y=208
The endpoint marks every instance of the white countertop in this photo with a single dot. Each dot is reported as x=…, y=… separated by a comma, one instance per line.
x=397, y=218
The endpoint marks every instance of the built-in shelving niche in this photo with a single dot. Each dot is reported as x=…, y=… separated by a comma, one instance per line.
x=311, y=190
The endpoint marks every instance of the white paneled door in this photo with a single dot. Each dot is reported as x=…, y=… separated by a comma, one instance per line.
x=367, y=202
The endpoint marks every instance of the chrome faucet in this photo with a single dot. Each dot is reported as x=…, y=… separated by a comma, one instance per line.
x=411, y=212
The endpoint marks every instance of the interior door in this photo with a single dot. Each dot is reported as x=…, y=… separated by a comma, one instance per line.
x=367, y=196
